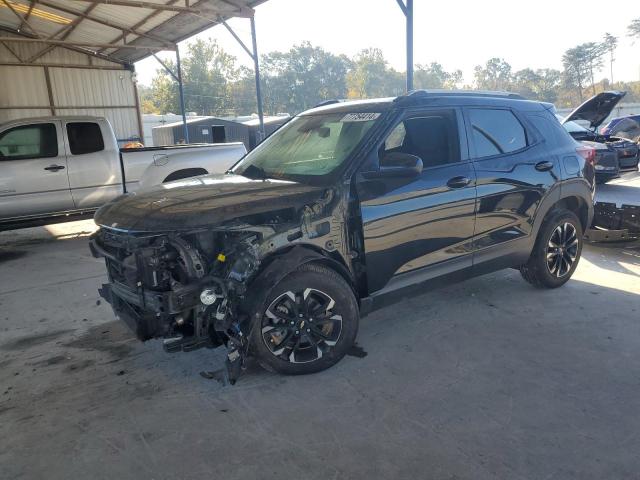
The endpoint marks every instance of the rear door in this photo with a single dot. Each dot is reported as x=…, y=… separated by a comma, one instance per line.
x=514, y=172
x=422, y=226
x=94, y=169
x=33, y=170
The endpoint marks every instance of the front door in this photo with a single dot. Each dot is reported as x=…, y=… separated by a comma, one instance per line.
x=426, y=223
x=33, y=171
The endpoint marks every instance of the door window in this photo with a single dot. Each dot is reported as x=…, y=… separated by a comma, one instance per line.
x=84, y=137
x=496, y=132
x=29, y=141
x=432, y=137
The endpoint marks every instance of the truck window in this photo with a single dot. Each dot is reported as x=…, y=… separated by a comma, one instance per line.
x=496, y=132
x=84, y=137
x=29, y=141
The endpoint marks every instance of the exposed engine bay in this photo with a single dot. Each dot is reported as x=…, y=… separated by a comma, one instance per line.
x=191, y=288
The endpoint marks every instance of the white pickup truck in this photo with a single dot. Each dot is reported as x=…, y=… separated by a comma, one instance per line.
x=69, y=166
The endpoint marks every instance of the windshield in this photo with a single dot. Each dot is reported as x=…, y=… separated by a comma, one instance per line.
x=308, y=148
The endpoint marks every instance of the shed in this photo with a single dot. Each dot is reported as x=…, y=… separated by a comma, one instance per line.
x=75, y=57
x=217, y=130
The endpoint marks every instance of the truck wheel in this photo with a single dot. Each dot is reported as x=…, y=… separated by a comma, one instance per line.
x=308, y=322
x=556, y=252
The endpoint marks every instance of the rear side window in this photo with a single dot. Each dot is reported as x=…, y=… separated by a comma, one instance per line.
x=84, y=137
x=29, y=141
x=496, y=132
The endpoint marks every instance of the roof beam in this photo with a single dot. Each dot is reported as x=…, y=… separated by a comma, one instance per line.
x=133, y=30
x=11, y=51
x=140, y=23
x=75, y=43
x=23, y=20
x=172, y=7
x=65, y=31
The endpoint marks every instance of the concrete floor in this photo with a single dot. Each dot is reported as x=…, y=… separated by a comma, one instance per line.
x=488, y=379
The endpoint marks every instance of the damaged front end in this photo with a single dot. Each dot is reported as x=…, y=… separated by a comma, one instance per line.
x=192, y=287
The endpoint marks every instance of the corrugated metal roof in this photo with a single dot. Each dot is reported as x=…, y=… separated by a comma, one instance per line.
x=92, y=25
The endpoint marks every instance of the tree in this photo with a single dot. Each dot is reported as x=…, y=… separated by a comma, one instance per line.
x=634, y=28
x=576, y=68
x=164, y=91
x=302, y=77
x=495, y=75
x=371, y=76
x=435, y=76
x=609, y=45
x=593, y=55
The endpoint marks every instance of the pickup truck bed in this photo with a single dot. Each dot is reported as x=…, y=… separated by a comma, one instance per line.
x=62, y=168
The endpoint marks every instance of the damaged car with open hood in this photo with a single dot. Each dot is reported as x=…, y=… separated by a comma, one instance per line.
x=614, y=153
x=348, y=207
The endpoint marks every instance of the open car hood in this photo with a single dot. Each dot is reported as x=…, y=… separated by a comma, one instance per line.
x=596, y=109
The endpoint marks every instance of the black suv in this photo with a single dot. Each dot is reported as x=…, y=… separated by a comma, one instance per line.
x=346, y=208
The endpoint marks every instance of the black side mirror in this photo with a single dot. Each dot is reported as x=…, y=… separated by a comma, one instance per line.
x=397, y=164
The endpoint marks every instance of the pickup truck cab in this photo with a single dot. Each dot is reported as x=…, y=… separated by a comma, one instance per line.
x=347, y=208
x=62, y=166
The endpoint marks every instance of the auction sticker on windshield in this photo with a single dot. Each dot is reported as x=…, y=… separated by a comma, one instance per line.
x=359, y=117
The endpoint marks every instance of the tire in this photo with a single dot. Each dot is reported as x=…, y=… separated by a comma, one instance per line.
x=311, y=291
x=550, y=266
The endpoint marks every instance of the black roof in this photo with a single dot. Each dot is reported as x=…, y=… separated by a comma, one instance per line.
x=428, y=97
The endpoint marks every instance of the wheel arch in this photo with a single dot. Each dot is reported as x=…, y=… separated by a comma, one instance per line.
x=285, y=261
x=577, y=205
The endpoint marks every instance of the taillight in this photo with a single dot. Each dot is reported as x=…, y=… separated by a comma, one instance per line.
x=588, y=153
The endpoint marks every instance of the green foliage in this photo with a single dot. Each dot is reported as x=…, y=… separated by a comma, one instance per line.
x=306, y=75
x=494, y=75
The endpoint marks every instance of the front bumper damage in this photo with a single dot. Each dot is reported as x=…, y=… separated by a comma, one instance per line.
x=199, y=288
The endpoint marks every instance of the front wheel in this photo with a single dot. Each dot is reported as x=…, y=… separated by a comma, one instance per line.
x=308, y=322
x=556, y=252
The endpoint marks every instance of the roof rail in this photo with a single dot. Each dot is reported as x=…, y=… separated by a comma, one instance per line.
x=328, y=102
x=415, y=95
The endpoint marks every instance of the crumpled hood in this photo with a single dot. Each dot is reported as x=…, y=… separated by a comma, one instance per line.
x=201, y=202
x=596, y=109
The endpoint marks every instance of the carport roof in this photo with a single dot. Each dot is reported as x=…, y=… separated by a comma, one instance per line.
x=124, y=31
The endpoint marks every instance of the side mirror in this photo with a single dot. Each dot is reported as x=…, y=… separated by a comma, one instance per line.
x=397, y=164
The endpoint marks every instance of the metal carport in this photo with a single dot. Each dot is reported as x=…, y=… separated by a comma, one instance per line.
x=121, y=32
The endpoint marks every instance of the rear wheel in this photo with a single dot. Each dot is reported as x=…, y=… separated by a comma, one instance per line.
x=557, y=251
x=307, y=324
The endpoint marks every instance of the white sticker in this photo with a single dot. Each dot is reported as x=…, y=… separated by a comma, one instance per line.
x=359, y=117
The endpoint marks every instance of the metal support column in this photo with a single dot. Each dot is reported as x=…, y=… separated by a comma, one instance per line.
x=253, y=53
x=181, y=90
x=407, y=9
x=256, y=67
x=409, y=16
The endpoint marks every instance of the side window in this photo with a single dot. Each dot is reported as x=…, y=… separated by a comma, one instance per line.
x=29, y=141
x=433, y=137
x=496, y=132
x=84, y=137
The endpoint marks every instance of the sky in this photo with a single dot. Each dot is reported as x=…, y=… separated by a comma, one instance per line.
x=459, y=34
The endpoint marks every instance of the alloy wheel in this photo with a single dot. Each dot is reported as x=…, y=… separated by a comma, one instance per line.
x=301, y=327
x=562, y=249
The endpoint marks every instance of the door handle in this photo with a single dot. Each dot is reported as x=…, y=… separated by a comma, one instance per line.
x=458, y=182
x=544, y=166
x=54, y=168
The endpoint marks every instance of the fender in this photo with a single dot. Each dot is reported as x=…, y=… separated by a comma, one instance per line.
x=281, y=265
